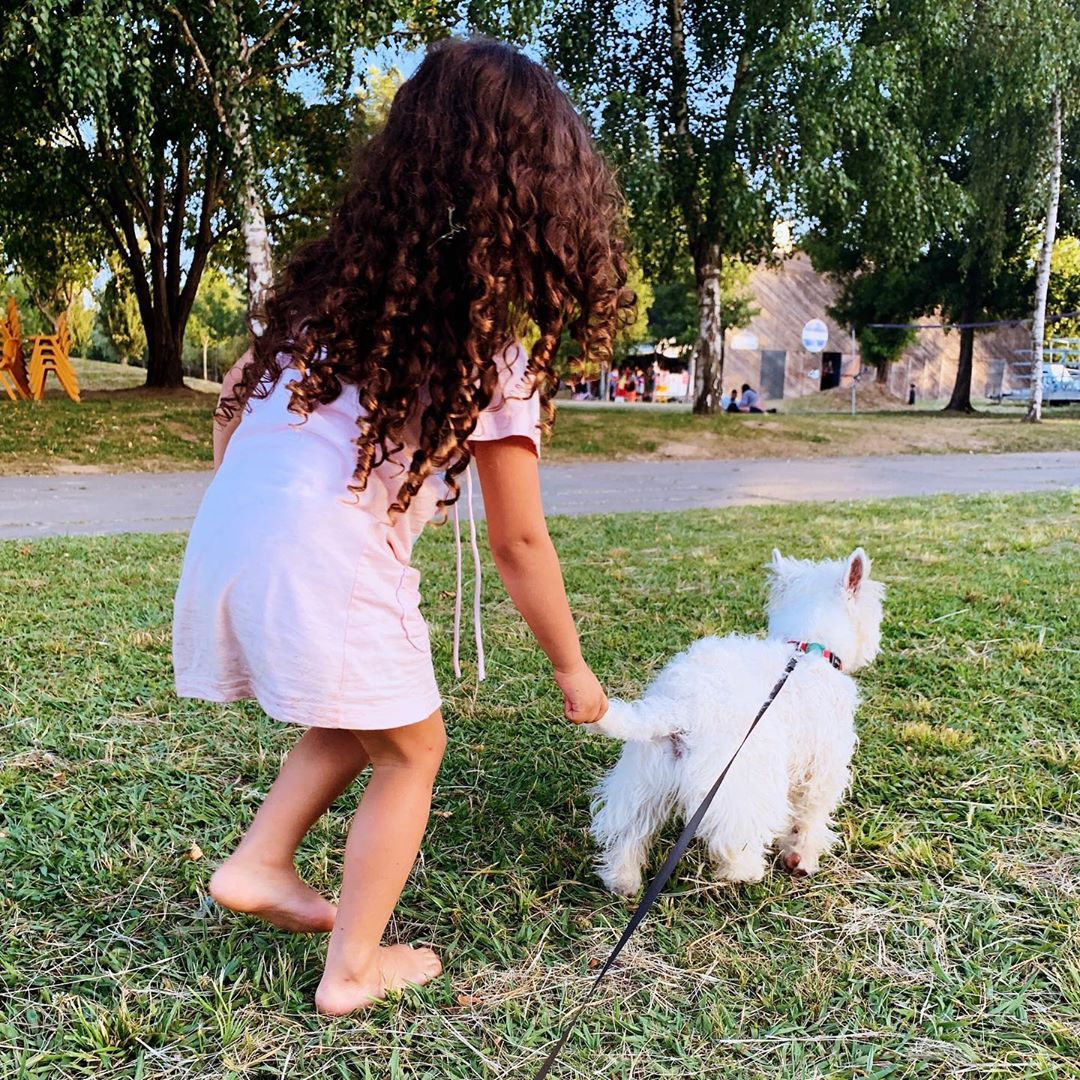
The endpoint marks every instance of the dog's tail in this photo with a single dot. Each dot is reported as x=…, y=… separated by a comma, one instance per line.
x=636, y=721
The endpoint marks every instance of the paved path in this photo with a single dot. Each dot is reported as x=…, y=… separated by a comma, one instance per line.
x=32, y=506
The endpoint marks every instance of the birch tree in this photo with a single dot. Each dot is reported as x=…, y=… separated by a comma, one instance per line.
x=243, y=53
x=1042, y=277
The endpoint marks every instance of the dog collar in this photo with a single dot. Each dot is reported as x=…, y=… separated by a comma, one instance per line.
x=817, y=647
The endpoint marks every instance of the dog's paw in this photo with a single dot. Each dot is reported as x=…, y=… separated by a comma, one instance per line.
x=624, y=881
x=795, y=865
x=800, y=852
x=743, y=871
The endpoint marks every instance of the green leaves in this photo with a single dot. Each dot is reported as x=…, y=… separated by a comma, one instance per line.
x=696, y=104
x=924, y=176
x=134, y=128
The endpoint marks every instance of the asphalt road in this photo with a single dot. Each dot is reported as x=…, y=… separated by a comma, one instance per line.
x=89, y=504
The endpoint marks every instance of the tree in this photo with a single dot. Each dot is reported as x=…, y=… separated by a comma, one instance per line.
x=1064, y=286
x=309, y=163
x=695, y=101
x=106, y=107
x=118, y=314
x=81, y=315
x=1042, y=277
x=674, y=315
x=923, y=172
x=46, y=239
x=885, y=296
x=158, y=124
x=217, y=316
x=242, y=52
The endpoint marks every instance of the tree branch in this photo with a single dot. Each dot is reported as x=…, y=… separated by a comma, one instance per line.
x=204, y=239
x=292, y=65
x=215, y=96
x=132, y=256
x=272, y=31
x=687, y=187
x=122, y=182
x=179, y=212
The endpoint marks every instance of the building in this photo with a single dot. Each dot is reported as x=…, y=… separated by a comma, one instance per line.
x=769, y=355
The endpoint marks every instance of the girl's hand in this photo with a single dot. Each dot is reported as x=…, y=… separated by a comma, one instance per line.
x=584, y=699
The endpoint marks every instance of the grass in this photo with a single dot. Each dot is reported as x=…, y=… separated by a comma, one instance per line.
x=136, y=430
x=97, y=375
x=622, y=432
x=940, y=940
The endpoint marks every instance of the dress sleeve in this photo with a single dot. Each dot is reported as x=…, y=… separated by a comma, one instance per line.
x=515, y=406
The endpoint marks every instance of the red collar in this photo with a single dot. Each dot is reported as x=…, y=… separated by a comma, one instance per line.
x=817, y=647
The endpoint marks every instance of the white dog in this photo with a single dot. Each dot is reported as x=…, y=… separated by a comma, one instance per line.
x=794, y=768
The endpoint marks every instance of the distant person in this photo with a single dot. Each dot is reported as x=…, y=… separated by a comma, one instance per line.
x=650, y=383
x=732, y=401
x=750, y=400
x=612, y=383
x=911, y=394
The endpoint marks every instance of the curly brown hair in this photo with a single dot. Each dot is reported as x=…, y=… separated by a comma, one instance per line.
x=480, y=206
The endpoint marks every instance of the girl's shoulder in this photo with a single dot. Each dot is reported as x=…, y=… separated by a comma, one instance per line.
x=514, y=409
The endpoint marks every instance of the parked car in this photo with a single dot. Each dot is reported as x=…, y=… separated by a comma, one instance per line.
x=1061, y=386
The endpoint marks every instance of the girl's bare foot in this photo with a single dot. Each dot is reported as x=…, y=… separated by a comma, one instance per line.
x=274, y=894
x=395, y=967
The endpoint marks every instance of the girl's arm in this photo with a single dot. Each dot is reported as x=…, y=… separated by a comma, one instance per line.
x=223, y=429
x=529, y=567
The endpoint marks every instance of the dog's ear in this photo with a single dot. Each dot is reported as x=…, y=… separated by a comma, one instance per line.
x=777, y=561
x=857, y=571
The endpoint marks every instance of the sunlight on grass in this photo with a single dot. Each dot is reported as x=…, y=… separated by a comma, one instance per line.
x=133, y=430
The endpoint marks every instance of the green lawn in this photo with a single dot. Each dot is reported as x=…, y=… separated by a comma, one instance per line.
x=133, y=430
x=939, y=941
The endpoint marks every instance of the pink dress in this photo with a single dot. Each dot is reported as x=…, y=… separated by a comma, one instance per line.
x=298, y=593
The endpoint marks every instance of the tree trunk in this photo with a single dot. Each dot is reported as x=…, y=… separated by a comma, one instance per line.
x=260, y=274
x=709, y=347
x=881, y=376
x=1042, y=278
x=164, y=367
x=961, y=395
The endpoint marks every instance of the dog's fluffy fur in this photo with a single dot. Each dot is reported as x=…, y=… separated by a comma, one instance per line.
x=793, y=770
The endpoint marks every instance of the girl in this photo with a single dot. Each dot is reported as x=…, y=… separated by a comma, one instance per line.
x=389, y=358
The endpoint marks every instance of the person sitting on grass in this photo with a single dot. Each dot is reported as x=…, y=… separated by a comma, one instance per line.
x=389, y=359
x=750, y=400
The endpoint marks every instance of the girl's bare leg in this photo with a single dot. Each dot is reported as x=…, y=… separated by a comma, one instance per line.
x=383, y=842
x=259, y=878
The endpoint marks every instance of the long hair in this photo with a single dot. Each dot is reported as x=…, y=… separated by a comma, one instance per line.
x=480, y=206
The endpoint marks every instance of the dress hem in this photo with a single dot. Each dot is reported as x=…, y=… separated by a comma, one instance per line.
x=276, y=710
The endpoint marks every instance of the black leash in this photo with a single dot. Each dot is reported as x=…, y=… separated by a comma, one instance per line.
x=665, y=872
